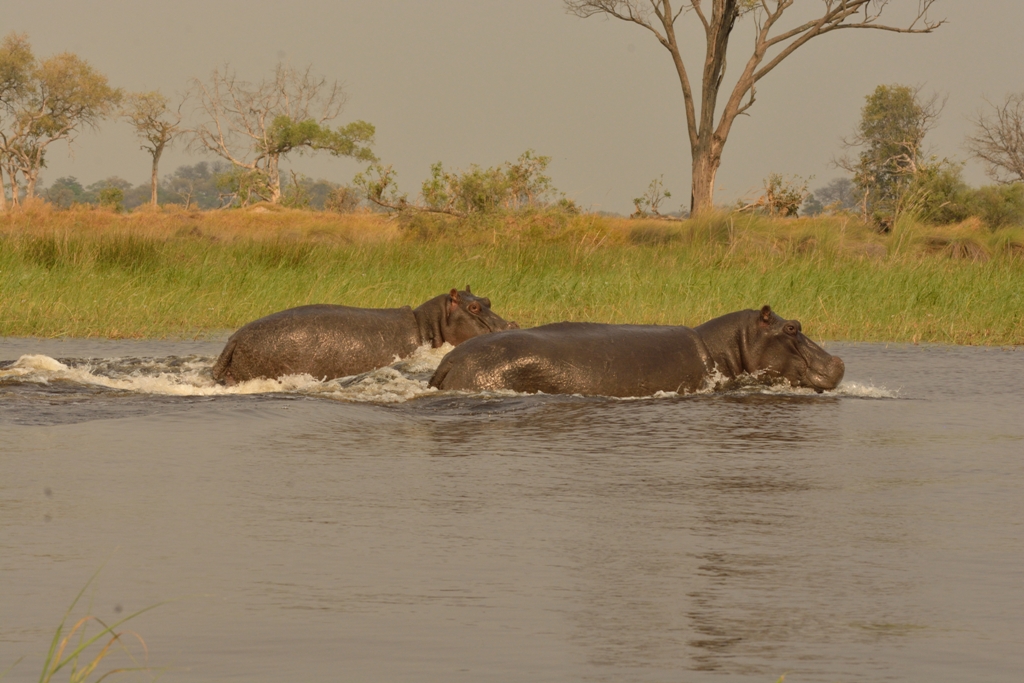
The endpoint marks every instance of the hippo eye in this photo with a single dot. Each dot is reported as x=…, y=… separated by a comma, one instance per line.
x=474, y=307
x=790, y=328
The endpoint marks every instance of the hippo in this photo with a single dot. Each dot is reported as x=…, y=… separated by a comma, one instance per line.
x=640, y=360
x=329, y=341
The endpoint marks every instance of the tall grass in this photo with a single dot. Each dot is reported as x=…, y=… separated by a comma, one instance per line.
x=174, y=273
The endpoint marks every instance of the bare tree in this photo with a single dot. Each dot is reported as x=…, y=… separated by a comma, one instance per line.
x=999, y=139
x=155, y=123
x=254, y=125
x=771, y=45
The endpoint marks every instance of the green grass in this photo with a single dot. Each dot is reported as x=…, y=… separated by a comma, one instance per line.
x=840, y=279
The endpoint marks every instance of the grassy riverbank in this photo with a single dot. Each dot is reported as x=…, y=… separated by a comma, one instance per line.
x=172, y=273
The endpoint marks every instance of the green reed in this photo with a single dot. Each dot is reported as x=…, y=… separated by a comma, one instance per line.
x=842, y=281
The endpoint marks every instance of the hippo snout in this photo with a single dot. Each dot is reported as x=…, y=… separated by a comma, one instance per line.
x=832, y=374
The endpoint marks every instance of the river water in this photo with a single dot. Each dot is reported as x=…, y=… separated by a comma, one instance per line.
x=372, y=529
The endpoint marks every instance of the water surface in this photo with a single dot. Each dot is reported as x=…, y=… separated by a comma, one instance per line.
x=372, y=529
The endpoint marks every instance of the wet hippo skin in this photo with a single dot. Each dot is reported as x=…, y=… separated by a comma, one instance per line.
x=639, y=360
x=329, y=341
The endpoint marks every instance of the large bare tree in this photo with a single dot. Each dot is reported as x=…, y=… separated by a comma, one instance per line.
x=773, y=41
x=998, y=139
x=156, y=125
x=254, y=125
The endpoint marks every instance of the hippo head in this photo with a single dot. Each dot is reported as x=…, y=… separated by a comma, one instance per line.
x=466, y=316
x=777, y=350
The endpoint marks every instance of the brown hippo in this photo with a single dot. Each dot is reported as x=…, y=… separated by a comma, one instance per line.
x=328, y=341
x=639, y=360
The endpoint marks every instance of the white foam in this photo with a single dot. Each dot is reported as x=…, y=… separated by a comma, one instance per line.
x=854, y=389
x=715, y=384
x=384, y=385
x=191, y=377
x=185, y=380
x=864, y=390
x=424, y=359
x=404, y=380
x=28, y=365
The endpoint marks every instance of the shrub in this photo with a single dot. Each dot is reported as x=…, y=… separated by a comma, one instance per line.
x=111, y=198
x=647, y=205
x=781, y=197
x=998, y=205
x=938, y=193
x=342, y=199
x=509, y=187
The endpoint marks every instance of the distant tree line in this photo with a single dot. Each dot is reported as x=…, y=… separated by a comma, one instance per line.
x=253, y=127
x=204, y=185
x=893, y=174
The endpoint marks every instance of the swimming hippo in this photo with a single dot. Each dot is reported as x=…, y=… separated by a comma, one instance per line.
x=328, y=341
x=639, y=360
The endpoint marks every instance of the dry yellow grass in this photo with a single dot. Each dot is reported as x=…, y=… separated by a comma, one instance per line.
x=260, y=222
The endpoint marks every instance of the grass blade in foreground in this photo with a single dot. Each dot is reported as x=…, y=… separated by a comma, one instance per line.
x=57, y=660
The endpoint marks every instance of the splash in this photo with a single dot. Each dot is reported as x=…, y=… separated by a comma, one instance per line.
x=852, y=389
x=754, y=383
x=190, y=376
x=174, y=376
x=405, y=379
x=864, y=391
x=402, y=381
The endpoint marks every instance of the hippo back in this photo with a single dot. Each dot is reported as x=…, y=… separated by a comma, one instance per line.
x=322, y=340
x=578, y=358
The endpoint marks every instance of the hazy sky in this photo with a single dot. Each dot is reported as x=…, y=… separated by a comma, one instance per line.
x=480, y=81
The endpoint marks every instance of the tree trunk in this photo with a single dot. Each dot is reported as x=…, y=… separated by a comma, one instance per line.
x=12, y=174
x=705, y=168
x=156, y=162
x=3, y=192
x=30, y=183
x=274, y=179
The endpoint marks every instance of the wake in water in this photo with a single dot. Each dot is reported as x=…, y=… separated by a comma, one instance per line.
x=190, y=376
x=403, y=380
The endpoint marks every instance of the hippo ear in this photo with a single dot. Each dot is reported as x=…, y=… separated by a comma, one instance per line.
x=467, y=290
x=766, y=314
x=452, y=304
